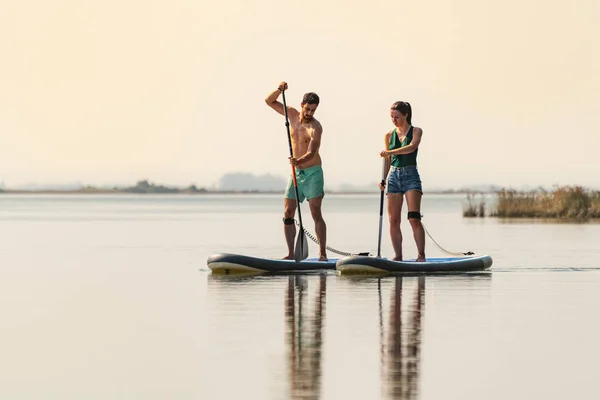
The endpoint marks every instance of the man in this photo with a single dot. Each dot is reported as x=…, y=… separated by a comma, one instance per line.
x=305, y=132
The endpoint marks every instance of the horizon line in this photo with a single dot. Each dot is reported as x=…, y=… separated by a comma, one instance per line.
x=77, y=185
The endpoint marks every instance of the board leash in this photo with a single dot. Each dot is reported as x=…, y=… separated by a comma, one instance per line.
x=468, y=253
x=342, y=253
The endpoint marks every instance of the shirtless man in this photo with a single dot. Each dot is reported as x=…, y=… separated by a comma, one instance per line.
x=305, y=132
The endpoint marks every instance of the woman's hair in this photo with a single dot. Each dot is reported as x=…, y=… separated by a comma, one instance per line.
x=404, y=108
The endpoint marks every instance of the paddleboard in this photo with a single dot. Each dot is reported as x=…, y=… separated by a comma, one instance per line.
x=226, y=263
x=368, y=264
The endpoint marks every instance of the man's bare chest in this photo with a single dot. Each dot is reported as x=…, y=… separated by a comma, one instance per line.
x=301, y=134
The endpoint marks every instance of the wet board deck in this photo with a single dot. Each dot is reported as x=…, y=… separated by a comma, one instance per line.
x=368, y=264
x=226, y=263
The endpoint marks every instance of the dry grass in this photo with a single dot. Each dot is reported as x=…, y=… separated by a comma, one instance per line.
x=568, y=202
x=473, y=208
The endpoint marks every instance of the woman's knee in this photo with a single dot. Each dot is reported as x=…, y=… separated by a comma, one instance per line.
x=414, y=218
x=394, y=219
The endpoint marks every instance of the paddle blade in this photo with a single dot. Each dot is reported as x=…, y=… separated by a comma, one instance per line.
x=301, y=250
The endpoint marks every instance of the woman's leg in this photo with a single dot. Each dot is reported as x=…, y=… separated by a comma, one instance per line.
x=395, y=201
x=413, y=203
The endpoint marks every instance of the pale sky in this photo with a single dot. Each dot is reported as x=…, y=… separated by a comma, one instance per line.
x=173, y=91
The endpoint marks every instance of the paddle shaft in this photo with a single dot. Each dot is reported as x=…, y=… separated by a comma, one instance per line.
x=287, y=125
x=383, y=173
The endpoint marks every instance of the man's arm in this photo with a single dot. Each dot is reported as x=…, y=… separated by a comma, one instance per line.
x=414, y=144
x=313, y=145
x=272, y=102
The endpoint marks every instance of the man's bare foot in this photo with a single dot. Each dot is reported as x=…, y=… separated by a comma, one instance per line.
x=397, y=258
x=323, y=258
x=288, y=257
x=420, y=258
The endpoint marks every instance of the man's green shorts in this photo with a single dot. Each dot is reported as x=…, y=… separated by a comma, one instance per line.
x=310, y=184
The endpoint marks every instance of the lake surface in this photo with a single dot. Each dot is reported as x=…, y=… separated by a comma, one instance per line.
x=110, y=297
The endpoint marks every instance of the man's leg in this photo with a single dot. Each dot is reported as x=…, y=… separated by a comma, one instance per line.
x=289, y=210
x=320, y=226
x=314, y=187
x=289, y=227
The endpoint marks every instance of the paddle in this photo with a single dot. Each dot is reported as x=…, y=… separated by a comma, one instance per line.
x=383, y=173
x=301, y=249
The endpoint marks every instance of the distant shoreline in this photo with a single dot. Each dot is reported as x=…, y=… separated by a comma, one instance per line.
x=206, y=192
x=146, y=187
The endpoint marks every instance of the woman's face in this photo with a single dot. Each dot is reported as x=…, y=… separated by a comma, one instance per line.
x=397, y=118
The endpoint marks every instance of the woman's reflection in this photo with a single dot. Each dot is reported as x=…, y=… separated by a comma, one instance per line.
x=401, y=352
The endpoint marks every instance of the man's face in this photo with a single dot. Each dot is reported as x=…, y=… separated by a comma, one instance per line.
x=308, y=110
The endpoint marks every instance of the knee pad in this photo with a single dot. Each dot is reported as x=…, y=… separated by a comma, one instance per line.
x=288, y=221
x=414, y=214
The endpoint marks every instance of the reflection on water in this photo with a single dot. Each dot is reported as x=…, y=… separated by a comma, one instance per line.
x=401, y=352
x=395, y=305
x=304, y=334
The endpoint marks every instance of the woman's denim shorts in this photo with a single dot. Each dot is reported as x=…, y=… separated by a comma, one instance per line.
x=403, y=179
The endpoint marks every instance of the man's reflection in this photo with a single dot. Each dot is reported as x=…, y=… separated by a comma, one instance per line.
x=304, y=337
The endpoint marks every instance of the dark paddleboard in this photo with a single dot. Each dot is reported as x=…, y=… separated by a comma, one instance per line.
x=226, y=263
x=367, y=264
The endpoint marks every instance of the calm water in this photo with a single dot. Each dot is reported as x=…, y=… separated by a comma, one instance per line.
x=110, y=297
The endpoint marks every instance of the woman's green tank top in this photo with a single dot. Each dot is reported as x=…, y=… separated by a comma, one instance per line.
x=402, y=160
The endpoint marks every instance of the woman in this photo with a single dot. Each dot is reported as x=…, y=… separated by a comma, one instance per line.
x=403, y=179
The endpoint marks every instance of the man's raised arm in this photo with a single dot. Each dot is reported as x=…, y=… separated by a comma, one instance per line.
x=272, y=102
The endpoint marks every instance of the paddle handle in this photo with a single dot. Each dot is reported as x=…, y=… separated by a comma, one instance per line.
x=287, y=126
x=383, y=175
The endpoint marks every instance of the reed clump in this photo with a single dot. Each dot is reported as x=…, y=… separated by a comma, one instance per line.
x=567, y=202
x=474, y=208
